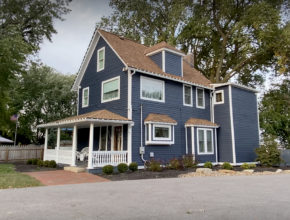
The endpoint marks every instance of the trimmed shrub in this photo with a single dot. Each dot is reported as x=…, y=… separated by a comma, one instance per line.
x=29, y=161
x=46, y=163
x=227, y=166
x=208, y=164
x=52, y=164
x=122, y=168
x=268, y=154
x=188, y=161
x=154, y=166
x=133, y=166
x=108, y=169
x=34, y=161
x=175, y=164
x=252, y=166
x=246, y=166
x=40, y=163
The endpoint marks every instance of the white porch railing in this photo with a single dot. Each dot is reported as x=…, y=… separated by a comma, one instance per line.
x=103, y=158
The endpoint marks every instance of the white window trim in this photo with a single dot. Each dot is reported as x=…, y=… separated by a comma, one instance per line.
x=149, y=138
x=197, y=106
x=83, y=94
x=217, y=92
x=106, y=81
x=161, y=138
x=191, y=104
x=150, y=99
x=205, y=142
x=98, y=67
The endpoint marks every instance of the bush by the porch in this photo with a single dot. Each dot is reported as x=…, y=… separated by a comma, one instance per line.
x=122, y=168
x=133, y=166
x=108, y=169
x=227, y=166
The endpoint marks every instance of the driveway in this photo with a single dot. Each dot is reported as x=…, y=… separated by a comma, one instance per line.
x=226, y=197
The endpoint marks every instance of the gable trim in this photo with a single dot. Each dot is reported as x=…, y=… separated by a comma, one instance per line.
x=88, y=55
x=165, y=49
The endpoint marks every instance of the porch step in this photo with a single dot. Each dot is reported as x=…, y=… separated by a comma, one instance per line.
x=75, y=169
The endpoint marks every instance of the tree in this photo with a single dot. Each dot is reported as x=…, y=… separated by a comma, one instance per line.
x=42, y=95
x=228, y=39
x=275, y=113
x=23, y=26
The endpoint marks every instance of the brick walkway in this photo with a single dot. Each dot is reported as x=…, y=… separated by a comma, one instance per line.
x=61, y=177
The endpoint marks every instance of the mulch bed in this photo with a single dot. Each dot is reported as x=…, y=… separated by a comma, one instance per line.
x=23, y=167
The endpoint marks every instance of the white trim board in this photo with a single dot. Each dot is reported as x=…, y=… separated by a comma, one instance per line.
x=232, y=125
x=216, y=85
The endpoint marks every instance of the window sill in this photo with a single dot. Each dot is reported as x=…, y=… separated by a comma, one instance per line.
x=159, y=142
x=110, y=100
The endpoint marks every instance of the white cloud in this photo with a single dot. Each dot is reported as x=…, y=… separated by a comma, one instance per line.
x=68, y=46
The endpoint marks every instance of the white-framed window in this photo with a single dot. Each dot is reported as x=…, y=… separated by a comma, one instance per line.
x=219, y=97
x=101, y=59
x=187, y=95
x=205, y=141
x=152, y=89
x=111, y=89
x=159, y=134
x=200, y=98
x=85, y=97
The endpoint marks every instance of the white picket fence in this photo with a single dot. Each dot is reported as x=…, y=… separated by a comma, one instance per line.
x=20, y=152
x=102, y=158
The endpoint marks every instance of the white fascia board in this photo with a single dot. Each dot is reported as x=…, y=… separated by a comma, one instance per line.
x=201, y=126
x=216, y=85
x=88, y=55
x=169, y=78
x=165, y=49
x=160, y=123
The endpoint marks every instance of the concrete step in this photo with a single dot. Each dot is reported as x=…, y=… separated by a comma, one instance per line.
x=75, y=169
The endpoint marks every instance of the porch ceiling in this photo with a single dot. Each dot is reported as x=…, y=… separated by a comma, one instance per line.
x=100, y=117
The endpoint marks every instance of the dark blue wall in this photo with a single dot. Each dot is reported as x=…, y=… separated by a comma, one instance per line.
x=224, y=137
x=173, y=107
x=157, y=58
x=93, y=79
x=173, y=63
x=246, y=124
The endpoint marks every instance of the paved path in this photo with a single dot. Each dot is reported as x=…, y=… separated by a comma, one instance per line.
x=227, y=197
x=61, y=177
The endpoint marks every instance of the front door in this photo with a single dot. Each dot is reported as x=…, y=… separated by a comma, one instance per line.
x=118, y=138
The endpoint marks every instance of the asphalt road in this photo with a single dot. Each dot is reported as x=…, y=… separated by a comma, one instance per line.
x=226, y=197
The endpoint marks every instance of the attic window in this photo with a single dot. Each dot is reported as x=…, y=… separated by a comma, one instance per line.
x=101, y=59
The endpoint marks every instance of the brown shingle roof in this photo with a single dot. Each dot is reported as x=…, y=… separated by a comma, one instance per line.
x=152, y=117
x=202, y=122
x=161, y=45
x=133, y=55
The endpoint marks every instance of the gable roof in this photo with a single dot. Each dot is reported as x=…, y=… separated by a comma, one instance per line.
x=200, y=122
x=133, y=55
x=162, y=45
x=152, y=117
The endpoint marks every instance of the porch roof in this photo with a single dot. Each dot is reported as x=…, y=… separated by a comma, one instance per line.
x=152, y=117
x=100, y=116
x=200, y=122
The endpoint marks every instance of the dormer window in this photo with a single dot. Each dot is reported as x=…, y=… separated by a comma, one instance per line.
x=101, y=59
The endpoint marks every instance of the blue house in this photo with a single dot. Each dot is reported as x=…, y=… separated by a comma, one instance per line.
x=137, y=103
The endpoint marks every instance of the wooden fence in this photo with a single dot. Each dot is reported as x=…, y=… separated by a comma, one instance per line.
x=22, y=152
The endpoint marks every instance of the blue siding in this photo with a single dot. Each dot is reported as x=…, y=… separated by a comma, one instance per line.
x=173, y=63
x=246, y=124
x=173, y=107
x=224, y=137
x=93, y=80
x=157, y=58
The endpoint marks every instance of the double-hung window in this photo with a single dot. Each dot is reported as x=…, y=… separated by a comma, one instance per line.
x=101, y=59
x=111, y=89
x=187, y=95
x=85, y=97
x=200, y=98
x=152, y=89
x=205, y=141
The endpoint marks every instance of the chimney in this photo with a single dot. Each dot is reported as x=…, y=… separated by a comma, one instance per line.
x=189, y=58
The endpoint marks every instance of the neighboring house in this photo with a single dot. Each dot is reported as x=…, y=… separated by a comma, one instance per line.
x=5, y=140
x=137, y=103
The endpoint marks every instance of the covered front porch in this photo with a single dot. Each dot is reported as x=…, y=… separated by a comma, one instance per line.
x=100, y=138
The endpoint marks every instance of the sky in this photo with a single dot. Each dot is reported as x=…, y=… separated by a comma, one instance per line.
x=67, y=49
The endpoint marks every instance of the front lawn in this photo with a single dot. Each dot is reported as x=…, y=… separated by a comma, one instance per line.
x=9, y=178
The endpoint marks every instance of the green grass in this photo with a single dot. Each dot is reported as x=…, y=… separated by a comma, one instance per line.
x=9, y=178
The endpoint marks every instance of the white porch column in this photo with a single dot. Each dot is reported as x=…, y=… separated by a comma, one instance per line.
x=74, y=146
x=129, y=143
x=57, y=144
x=45, y=143
x=91, y=144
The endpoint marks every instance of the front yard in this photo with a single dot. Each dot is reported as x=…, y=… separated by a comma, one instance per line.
x=9, y=178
